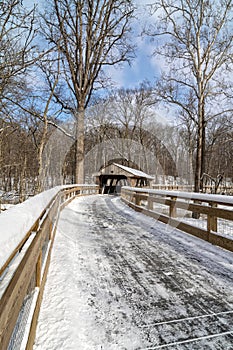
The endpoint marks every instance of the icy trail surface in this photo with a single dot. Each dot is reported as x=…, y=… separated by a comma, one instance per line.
x=120, y=280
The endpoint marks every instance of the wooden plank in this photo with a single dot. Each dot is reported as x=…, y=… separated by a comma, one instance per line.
x=149, y=204
x=66, y=202
x=201, y=209
x=45, y=231
x=204, y=209
x=211, y=198
x=12, y=299
x=161, y=200
x=19, y=246
x=38, y=270
x=221, y=241
x=172, y=208
x=32, y=332
x=224, y=242
x=11, y=302
x=195, y=231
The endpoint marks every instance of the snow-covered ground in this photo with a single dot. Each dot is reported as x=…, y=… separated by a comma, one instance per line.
x=5, y=206
x=120, y=280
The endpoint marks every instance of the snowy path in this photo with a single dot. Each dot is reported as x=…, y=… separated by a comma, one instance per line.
x=120, y=280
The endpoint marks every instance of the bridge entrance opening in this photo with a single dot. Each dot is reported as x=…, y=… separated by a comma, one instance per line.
x=111, y=184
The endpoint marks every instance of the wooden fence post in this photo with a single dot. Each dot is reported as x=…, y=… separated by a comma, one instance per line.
x=137, y=199
x=212, y=222
x=38, y=270
x=172, y=208
x=149, y=203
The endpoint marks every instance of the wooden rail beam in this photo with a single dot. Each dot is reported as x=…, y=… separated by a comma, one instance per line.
x=189, y=202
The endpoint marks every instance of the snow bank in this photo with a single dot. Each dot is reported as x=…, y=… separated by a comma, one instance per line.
x=6, y=206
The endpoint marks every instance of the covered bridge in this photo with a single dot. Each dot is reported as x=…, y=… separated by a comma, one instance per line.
x=113, y=176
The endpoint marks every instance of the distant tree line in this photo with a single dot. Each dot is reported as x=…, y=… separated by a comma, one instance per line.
x=132, y=134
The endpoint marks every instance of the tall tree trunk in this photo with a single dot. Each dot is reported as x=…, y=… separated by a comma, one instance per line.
x=22, y=182
x=200, y=156
x=79, y=166
x=41, y=170
x=203, y=156
x=190, y=167
x=198, y=168
x=198, y=161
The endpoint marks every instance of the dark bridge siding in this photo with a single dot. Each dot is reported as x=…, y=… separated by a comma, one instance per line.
x=111, y=184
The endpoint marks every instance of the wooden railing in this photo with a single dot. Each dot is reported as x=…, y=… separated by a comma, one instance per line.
x=23, y=270
x=211, y=209
x=189, y=188
x=169, y=187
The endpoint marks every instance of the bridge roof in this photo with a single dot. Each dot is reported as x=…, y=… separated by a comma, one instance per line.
x=134, y=172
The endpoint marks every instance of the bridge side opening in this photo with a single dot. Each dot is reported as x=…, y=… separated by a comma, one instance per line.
x=111, y=184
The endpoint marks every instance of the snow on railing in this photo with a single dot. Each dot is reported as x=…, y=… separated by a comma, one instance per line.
x=207, y=216
x=222, y=189
x=26, y=239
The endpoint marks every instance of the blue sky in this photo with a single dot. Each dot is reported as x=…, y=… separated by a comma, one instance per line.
x=143, y=66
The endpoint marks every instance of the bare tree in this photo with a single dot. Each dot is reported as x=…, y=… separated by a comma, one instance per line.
x=119, y=121
x=90, y=34
x=121, y=128
x=130, y=111
x=18, y=166
x=44, y=117
x=198, y=48
x=41, y=119
x=219, y=148
x=17, y=48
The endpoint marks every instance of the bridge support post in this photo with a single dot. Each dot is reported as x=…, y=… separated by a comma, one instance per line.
x=212, y=222
x=149, y=203
x=137, y=199
x=38, y=270
x=172, y=208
